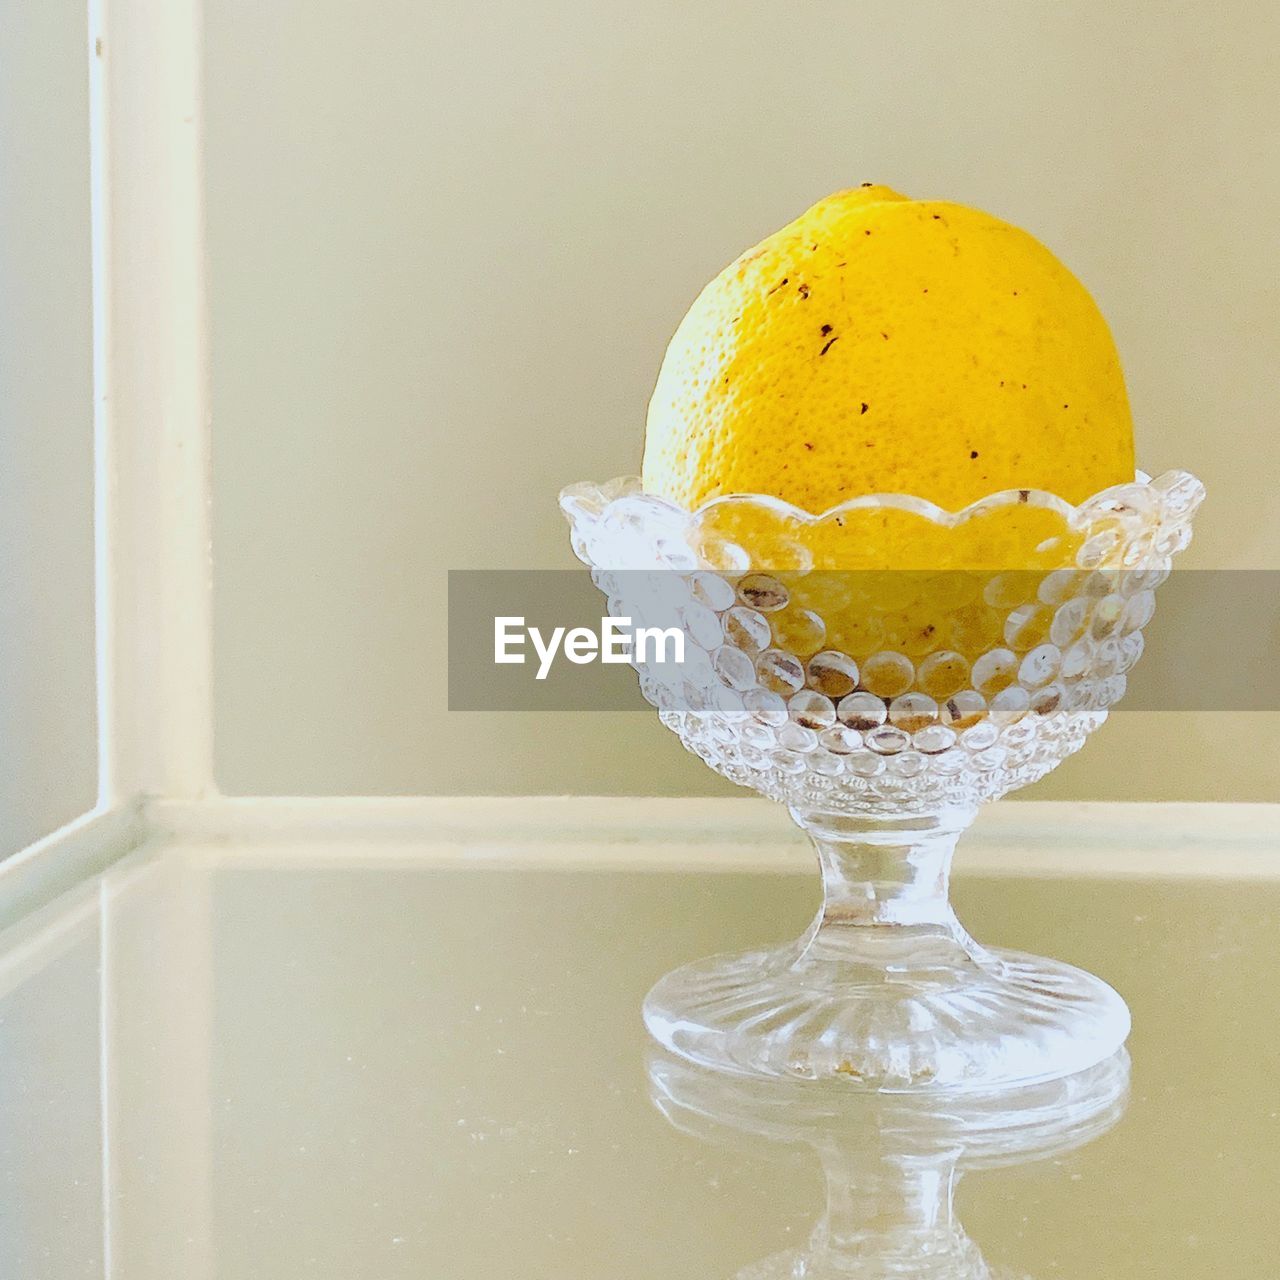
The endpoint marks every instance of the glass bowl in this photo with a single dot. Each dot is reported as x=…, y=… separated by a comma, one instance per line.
x=882, y=669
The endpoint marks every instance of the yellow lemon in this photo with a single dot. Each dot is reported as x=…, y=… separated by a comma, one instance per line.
x=882, y=344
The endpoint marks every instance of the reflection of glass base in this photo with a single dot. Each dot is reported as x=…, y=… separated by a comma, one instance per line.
x=796, y=1264
x=891, y=1161
x=959, y=1021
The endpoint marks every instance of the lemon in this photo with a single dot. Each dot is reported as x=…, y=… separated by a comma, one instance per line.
x=883, y=344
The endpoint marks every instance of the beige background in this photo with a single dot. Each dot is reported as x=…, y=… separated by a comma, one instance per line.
x=48, y=751
x=450, y=241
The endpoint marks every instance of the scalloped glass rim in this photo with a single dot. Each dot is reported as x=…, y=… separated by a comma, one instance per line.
x=586, y=494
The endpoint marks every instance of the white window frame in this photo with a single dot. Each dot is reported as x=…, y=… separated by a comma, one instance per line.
x=152, y=566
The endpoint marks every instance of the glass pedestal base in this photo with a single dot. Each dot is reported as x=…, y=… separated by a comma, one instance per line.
x=1007, y=1019
x=886, y=989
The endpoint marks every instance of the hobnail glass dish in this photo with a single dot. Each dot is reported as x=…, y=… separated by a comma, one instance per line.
x=891, y=1162
x=883, y=707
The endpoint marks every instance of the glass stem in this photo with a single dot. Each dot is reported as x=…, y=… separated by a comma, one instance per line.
x=886, y=906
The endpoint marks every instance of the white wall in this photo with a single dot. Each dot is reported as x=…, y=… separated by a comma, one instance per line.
x=48, y=770
x=450, y=241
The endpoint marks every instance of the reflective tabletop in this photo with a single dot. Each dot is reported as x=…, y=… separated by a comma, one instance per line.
x=339, y=1067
